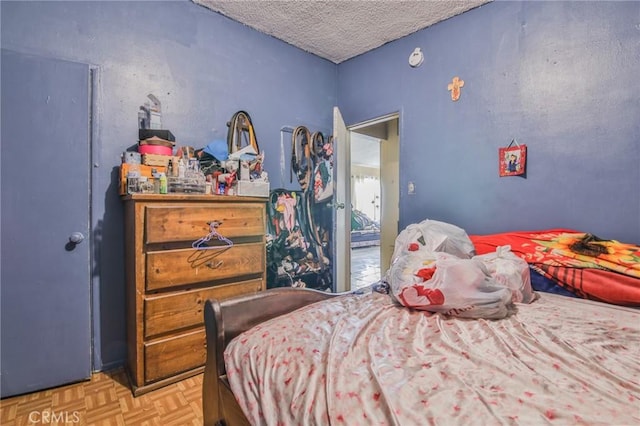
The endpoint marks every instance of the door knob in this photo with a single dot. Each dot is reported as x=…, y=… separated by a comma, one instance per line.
x=76, y=238
x=338, y=206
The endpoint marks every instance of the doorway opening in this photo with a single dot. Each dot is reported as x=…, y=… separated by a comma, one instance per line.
x=375, y=195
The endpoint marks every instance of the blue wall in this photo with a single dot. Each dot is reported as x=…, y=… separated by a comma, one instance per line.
x=202, y=66
x=561, y=77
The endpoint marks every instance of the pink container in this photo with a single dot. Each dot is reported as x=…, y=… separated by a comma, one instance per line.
x=155, y=149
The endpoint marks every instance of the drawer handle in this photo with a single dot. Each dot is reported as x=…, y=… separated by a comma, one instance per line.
x=215, y=265
x=207, y=258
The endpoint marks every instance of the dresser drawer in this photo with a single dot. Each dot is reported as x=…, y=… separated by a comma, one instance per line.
x=164, y=358
x=167, y=313
x=168, y=281
x=172, y=268
x=167, y=223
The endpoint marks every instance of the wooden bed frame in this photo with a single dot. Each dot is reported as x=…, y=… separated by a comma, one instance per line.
x=226, y=319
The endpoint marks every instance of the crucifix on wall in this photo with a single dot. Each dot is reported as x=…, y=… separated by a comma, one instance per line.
x=454, y=87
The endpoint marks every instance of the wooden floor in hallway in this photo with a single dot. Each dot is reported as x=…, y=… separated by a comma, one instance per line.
x=107, y=400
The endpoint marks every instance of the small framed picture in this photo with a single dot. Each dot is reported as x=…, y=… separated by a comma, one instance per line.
x=512, y=159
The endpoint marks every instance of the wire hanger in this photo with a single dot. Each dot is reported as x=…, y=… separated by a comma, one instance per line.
x=202, y=243
x=206, y=255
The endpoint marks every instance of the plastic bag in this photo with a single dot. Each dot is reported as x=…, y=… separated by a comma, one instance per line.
x=434, y=236
x=440, y=282
x=511, y=271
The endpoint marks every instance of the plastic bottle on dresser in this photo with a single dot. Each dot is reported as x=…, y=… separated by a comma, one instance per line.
x=163, y=183
x=156, y=181
x=170, y=168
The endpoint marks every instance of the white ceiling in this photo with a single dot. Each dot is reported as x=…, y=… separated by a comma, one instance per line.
x=365, y=150
x=338, y=30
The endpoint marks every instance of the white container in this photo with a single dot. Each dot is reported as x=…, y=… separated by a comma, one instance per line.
x=253, y=188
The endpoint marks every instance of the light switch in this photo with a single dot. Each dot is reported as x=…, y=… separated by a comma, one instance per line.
x=411, y=188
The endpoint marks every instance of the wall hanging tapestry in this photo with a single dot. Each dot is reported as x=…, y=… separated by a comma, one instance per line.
x=512, y=159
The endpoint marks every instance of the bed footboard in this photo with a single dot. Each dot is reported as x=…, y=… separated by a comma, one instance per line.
x=226, y=319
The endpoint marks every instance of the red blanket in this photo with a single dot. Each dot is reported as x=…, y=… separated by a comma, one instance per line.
x=604, y=270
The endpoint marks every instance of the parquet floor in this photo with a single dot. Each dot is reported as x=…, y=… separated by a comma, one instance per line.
x=107, y=400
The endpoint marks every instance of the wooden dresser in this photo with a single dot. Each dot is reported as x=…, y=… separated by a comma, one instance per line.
x=168, y=280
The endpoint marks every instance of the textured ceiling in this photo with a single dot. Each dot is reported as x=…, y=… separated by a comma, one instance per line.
x=338, y=30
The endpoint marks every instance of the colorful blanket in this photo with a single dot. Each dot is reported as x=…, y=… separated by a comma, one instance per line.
x=591, y=267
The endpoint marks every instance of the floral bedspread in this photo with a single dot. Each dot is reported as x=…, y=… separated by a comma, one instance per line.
x=361, y=360
x=561, y=247
x=590, y=267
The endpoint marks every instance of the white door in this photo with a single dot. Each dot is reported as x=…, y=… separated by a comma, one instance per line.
x=390, y=194
x=342, y=203
x=390, y=191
